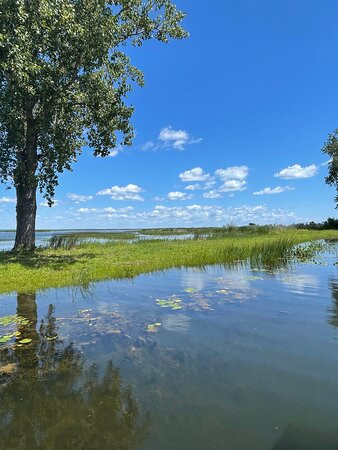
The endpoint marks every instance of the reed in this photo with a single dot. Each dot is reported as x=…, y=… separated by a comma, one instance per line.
x=88, y=262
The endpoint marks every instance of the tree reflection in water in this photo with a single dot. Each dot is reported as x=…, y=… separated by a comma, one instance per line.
x=50, y=398
x=333, y=318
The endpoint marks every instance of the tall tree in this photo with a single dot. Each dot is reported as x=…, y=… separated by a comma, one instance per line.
x=331, y=149
x=64, y=77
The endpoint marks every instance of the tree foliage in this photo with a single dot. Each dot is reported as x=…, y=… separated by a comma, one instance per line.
x=64, y=77
x=331, y=149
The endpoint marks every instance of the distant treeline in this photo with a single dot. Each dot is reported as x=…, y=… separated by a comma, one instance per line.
x=329, y=224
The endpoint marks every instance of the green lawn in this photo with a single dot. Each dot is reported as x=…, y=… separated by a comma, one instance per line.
x=47, y=268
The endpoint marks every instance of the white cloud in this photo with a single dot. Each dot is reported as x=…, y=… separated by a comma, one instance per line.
x=326, y=162
x=7, y=200
x=179, y=196
x=276, y=190
x=198, y=215
x=78, y=198
x=233, y=185
x=196, y=174
x=148, y=145
x=193, y=187
x=175, y=138
x=115, y=151
x=212, y=194
x=129, y=192
x=170, y=138
x=186, y=215
x=86, y=210
x=297, y=171
x=109, y=211
x=233, y=178
x=202, y=187
x=233, y=173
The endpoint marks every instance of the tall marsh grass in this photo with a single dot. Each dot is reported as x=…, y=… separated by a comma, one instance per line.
x=72, y=262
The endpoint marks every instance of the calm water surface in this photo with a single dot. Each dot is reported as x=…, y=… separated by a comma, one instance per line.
x=42, y=238
x=194, y=359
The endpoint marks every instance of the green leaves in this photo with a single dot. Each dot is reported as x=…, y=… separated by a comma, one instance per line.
x=153, y=327
x=11, y=321
x=171, y=302
x=331, y=149
x=64, y=79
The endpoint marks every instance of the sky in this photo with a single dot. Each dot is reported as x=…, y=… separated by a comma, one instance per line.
x=229, y=126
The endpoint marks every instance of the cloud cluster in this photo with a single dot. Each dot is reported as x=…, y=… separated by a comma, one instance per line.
x=272, y=191
x=78, y=198
x=196, y=174
x=297, y=171
x=231, y=179
x=129, y=192
x=179, y=196
x=212, y=194
x=233, y=173
x=107, y=212
x=170, y=138
x=194, y=215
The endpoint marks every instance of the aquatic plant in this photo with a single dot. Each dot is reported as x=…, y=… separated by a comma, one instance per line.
x=153, y=327
x=70, y=240
x=172, y=303
x=88, y=262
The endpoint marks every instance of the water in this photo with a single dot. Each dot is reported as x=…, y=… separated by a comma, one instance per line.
x=196, y=359
x=42, y=238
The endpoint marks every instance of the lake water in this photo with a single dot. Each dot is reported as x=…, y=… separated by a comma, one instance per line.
x=42, y=238
x=194, y=359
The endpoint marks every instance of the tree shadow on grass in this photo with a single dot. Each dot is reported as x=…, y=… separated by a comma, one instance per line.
x=40, y=259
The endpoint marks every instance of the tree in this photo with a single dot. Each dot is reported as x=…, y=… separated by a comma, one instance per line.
x=64, y=77
x=331, y=149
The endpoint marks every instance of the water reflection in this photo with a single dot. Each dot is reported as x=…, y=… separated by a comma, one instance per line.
x=333, y=319
x=50, y=397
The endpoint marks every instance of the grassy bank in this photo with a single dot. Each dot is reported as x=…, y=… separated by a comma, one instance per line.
x=92, y=262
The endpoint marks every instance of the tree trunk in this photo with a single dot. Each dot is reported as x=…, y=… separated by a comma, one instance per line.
x=26, y=185
x=25, y=218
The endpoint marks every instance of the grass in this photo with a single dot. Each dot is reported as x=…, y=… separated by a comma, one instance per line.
x=211, y=232
x=70, y=240
x=47, y=268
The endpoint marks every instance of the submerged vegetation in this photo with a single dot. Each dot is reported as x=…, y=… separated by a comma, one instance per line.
x=58, y=267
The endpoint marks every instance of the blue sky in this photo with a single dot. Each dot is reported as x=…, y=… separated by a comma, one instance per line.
x=229, y=126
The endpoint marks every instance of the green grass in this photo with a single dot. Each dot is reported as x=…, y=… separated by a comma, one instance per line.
x=211, y=232
x=47, y=268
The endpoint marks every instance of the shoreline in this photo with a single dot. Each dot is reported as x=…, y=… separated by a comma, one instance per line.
x=56, y=268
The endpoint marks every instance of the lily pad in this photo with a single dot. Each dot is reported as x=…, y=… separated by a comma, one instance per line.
x=171, y=302
x=153, y=327
x=25, y=341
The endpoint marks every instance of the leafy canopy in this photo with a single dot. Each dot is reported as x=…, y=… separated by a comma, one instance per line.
x=331, y=149
x=64, y=76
